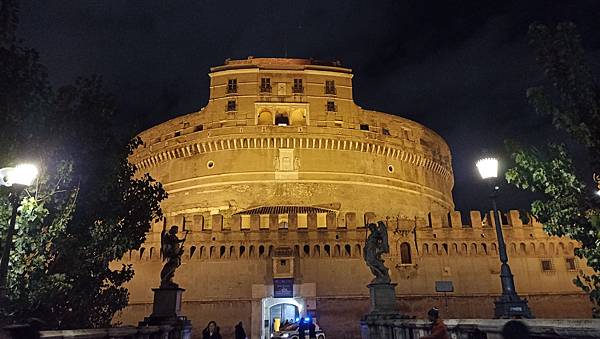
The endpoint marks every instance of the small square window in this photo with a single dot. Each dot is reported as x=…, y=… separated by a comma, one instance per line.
x=178, y=133
x=547, y=265
x=385, y=131
x=364, y=127
x=298, y=88
x=198, y=128
x=331, y=106
x=265, y=85
x=330, y=87
x=571, y=265
x=232, y=86
x=231, y=106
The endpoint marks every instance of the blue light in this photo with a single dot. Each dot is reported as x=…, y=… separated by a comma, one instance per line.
x=297, y=319
x=307, y=319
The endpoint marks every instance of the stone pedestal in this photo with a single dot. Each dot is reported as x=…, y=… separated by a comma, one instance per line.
x=383, y=298
x=383, y=309
x=166, y=311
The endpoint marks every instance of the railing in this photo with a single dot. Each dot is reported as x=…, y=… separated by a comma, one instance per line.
x=130, y=332
x=481, y=328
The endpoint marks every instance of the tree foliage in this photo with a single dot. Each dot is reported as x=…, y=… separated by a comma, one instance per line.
x=87, y=209
x=572, y=100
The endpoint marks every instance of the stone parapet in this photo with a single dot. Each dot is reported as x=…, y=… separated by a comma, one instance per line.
x=481, y=328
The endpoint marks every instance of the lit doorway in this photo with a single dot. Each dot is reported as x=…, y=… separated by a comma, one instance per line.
x=281, y=314
x=277, y=310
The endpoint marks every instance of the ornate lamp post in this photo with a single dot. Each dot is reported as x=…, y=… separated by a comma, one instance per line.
x=17, y=178
x=509, y=305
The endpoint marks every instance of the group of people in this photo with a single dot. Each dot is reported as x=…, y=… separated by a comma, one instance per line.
x=212, y=331
x=513, y=329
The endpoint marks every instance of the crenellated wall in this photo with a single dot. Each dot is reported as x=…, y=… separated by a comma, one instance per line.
x=223, y=265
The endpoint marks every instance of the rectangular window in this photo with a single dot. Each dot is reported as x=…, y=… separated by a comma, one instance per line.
x=571, y=266
x=232, y=86
x=331, y=106
x=321, y=220
x=364, y=127
x=385, y=131
x=178, y=133
x=198, y=128
x=298, y=88
x=245, y=220
x=265, y=85
x=302, y=219
x=231, y=106
x=264, y=221
x=329, y=87
x=546, y=265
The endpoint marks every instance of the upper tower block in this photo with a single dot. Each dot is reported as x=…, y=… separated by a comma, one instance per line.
x=281, y=78
x=256, y=84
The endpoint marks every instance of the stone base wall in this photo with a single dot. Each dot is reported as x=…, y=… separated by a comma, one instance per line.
x=340, y=316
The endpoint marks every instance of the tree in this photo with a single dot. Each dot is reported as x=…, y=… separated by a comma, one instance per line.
x=567, y=207
x=88, y=208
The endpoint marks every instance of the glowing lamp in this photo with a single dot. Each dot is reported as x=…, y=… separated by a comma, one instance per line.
x=23, y=174
x=488, y=168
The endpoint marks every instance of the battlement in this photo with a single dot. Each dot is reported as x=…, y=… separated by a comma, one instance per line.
x=313, y=233
x=299, y=218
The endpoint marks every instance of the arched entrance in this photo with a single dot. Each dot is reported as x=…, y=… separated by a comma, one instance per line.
x=282, y=313
x=277, y=310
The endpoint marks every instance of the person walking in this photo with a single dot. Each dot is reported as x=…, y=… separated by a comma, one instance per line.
x=239, y=331
x=302, y=327
x=438, y=328
x=312, y=330
x=211, y=331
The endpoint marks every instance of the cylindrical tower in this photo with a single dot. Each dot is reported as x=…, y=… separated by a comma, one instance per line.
x=286, y=133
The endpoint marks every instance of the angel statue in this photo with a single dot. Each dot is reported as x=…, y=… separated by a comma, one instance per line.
x=171, y=248
x=377, y=244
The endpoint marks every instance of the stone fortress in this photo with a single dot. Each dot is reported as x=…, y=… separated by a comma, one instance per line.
x=275, y=179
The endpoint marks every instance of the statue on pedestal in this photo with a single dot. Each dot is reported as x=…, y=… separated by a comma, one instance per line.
x=377, y=244
x=171, y=248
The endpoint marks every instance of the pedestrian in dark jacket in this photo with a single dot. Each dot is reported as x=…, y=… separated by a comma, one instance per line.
x=302, y=327
x=438, y=329
x=211, y=331
x=312, y=330
x=239, y=331
x=515, y=329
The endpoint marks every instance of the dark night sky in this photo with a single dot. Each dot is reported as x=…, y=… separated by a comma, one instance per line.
x=459, y=67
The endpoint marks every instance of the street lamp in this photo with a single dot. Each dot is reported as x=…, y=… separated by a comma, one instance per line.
x=509, y=305
x=17, y=178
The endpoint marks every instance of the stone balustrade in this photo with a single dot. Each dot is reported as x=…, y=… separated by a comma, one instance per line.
x=480, y=328
x=130, y=332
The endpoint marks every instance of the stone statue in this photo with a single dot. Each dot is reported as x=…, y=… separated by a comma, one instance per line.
x=377, y=244
x=171, y=248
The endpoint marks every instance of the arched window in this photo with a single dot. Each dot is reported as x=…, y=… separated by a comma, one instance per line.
x=405, y=257
x=357, y=251
x=282, y=120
